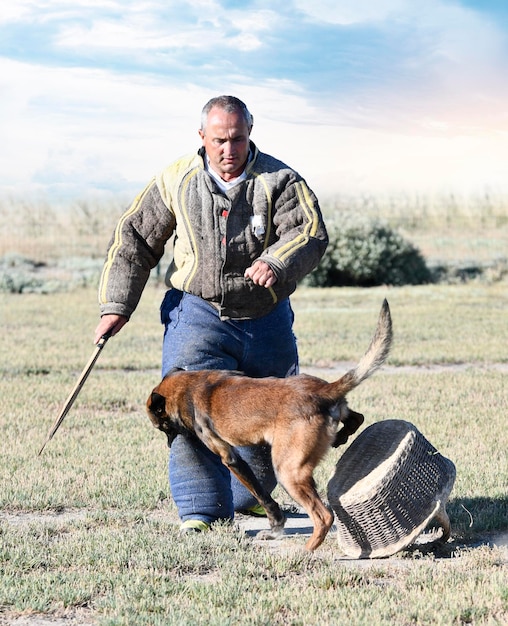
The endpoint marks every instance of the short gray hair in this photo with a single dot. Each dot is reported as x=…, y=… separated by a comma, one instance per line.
x=230, y=104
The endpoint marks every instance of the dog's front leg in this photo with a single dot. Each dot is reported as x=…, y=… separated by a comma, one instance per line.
x=205, y=430
x=234, y=462
x=245, y=475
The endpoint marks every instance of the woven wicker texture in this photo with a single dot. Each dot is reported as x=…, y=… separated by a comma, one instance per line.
x=387, y=486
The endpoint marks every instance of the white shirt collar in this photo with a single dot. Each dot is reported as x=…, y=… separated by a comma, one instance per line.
x=224, y=185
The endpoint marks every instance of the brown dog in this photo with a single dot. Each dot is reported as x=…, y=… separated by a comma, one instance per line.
x=297, y=416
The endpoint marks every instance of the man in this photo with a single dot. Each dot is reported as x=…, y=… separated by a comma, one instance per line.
x=247, y=229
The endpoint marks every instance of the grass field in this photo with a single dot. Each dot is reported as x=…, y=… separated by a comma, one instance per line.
x=88, y=531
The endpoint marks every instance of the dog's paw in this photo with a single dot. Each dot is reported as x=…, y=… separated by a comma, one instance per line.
x=268, y=535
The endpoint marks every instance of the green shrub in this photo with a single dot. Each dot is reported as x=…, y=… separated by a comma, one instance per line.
x=19, y=274
x=366, y=252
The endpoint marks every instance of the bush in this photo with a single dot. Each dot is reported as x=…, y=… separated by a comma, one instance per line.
x=365, y=252
x=19, y=274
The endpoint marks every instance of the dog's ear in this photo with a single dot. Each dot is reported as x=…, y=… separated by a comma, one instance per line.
x=157, y=404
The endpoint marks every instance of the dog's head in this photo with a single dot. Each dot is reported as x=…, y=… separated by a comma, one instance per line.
x=156, y=409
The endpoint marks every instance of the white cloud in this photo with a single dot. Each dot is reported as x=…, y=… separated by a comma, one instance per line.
x=83, y=129
x=48, y=10
x=438, y=118
x=77, y=127
x=80, y=131
x=210, y=28
x=447, y=80
x=13, y=12
x=347, y=13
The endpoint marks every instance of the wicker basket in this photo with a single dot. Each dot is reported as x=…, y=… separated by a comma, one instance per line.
x=387, y=486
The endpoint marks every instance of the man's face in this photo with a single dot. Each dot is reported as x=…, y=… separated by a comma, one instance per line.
x=226, y=141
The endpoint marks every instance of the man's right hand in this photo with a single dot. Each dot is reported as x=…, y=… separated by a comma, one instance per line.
x=110, y=324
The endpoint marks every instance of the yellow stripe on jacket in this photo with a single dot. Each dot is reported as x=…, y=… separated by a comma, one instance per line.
x=117, y=243
x=310, y=229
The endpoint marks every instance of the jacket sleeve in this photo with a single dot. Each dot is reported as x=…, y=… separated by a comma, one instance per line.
x=301, y=233
x=136, y=247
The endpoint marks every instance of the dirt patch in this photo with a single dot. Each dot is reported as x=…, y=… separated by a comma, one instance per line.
x=337, y=368
x=61, y=516
x=67, y=618
x=297, y=530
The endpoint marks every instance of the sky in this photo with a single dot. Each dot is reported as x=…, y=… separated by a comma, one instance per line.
x=359, y=96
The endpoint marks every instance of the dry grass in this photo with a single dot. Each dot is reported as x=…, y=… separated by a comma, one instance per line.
x=88, y=530
x=443, y=227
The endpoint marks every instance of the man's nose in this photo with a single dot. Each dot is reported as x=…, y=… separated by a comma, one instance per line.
x=228, y=147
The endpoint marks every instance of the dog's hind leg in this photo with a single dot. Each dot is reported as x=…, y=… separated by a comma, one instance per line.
x=294, y=467
x=301, y=487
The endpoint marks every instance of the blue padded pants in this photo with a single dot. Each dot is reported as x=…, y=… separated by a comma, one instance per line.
x=196, y=338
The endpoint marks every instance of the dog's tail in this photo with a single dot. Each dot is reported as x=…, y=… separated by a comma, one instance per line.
x=373, y=359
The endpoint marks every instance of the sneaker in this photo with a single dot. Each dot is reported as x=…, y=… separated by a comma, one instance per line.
x=194, y=526
x=256, y=511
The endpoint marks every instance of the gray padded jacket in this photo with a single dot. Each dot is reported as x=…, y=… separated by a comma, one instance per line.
x=272, y=215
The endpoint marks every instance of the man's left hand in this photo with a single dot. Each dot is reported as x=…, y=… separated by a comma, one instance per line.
x=261, y=274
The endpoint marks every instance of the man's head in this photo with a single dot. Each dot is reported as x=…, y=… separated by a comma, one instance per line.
x=226, y=124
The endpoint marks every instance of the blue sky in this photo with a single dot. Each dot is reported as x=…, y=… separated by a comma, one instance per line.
x=359, y=96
